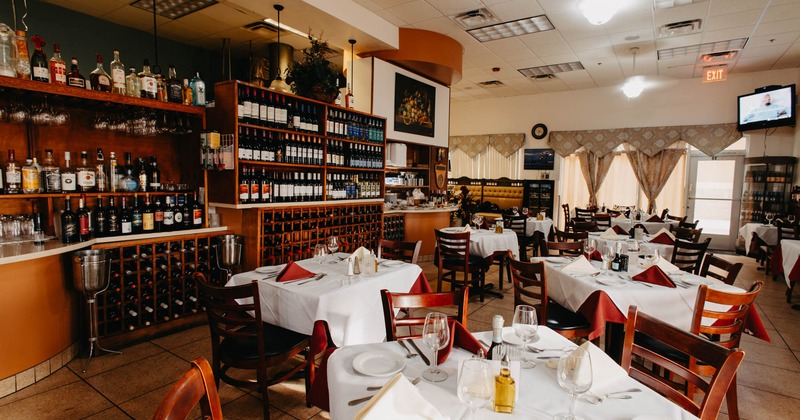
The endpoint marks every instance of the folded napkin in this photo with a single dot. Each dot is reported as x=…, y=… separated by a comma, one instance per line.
x=654, y=275
x=596, y=256
x=620, y=230
x=398, y=399
x=666, y=232
x=581, y=266
x=460, y=337
x=667, y=266
x=654, y=218
x=293, y=271
x=621, y=218
x=468, y=228
x=609, y=233
x=604, y=368
x=663, y=237
x=361, y=252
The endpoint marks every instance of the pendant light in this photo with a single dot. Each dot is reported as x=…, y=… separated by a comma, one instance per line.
x=634, y=86
x=349, y=99
x=598, y=12
x=278, y=84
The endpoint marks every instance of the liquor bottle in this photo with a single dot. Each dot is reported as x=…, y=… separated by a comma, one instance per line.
x=262, y=110
x=40, y=69
x=100, y=80
x=100, y=176
x=148, y=216
x=504, y=389
x=168, y=224
x=117, y=74
x=186, y=210
x=100, y=219
x=147, y=82
x=197, y=213
x=86, y=174
x=154, y=175
x=125, y=219
x=188, y=96
x=31, y=178
x=69, y=224
x=141, y=175
x=136, y=216
x=114, y=173
x=133, y=86
x=113, y=218
x=177, y=215
x=50, y=174
x=13, y=174
x=69, y=180
x=23, y=66
x=58, y=68
x=75, y=78
x=84, y=229
x=161, y=84
x=349, y=99
x=497, y=336
x=158, y=216
x=198, y=90
x=174, y=89
x=255, y=188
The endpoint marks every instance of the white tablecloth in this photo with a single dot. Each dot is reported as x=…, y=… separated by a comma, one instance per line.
x=354, y=312
x=769, y=233
x=652, y=227
x=533, y=225
x=485, y=243
x=540, y=396
x=790, y=252
x=664, y=250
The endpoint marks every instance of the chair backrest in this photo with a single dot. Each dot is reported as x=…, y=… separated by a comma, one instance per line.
x=571, y=236
x=678, y=219
x=530, y=286
x=686, y=233
x=686, y=224
x=584, y=226
x=725, y=362
x=572, y=249
x=724, y=271
x=515, y=223
x=567, y=214
x=603, y=221
x=726, y=324
x=787, y=230
x=394, y=301
x=452, y=247
x=399, y=250
x=230, y=320
x=195, y=386
x=664, y=213
x=688, y=256
x=583, y=214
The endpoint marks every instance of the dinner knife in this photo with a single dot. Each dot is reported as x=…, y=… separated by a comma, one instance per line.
x=421, y=354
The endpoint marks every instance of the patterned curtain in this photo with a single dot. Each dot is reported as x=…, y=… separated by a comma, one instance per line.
x=507, y=144
x=652, y=172
x=594, y=169
x=471, y=145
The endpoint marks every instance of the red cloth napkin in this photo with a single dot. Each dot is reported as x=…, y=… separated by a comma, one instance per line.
x=461, y=338
x=619, y=230
x=293, y=271
x=654, y=219
x=662, y=238
x=596, y=256
x=654, y=275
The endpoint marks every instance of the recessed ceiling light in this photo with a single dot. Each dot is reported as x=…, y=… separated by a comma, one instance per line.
x=173, y=9
x=551, y=69
x=707, y=48
x=513, y=28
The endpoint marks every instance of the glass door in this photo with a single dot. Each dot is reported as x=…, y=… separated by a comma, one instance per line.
x=714, y=197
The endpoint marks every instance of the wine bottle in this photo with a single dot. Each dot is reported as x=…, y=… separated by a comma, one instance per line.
x=69, y=179
x=168, y=223
x=497, y=336
x=58, y=68
x=84, y=230
x=113, y=218
x=148, y=216
x=136, y=216
x=69, y=224
x=197, y=213
x=154, y=175
x=75, y=78
x=98, y=78
x=100, y=222
x=40, y=68
x=187, y=213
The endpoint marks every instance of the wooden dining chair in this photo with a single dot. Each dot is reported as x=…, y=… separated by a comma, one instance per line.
x=585, y=226
x=583, y=214
x=762, y=251
x=787, y=230
x=640, y=226
x=685, y=233
x=518, y=224
x=603, y=221
x=664, y=213
x=392, y=302
x=240, y=340
x=720, y=269
x=530, y=288
x=452, y=257
x=399, y=250
x=567, y=217
x=686, y=224
x=688, y=256
x=678, y=219
x=197, y=386
x=569, y=249
x=320, y=348
x=570, y=236
x=635, y=357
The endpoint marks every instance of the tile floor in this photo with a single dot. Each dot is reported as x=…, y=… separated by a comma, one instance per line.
x=131, y=385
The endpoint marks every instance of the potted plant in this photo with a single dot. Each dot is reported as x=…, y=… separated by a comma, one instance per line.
x=314, y=76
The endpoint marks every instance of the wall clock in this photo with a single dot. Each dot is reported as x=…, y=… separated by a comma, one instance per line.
x=539, y=131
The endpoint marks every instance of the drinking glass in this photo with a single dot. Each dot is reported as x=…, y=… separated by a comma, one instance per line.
x=651, y=256
x=574, y=376
x=525, y=211
x=770, y=216
x=589, y=246
x=474, y=384
x=525, y=326
x=608, y=255
x=477, y=221
x=435, y=335
x=320, y=252
x=333, y=246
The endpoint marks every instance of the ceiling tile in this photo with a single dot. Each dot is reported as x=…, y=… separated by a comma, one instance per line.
x=777, y=27
x=135, y=18
x=598, y=55
x=390, y=3
x=516, y=9
x=454, y=7
x=546, y=43
x=726, y=34
x=678, y=41
x=415, y=11
x=641, y=34
x=229, y=14
x=505, y=44
x=90, y=7
x=773, y=51
x=516, y=55
x=782, y=12
x=576, y=77
x=575, y=26
x=180, y=31
x=369, y=5
x=733, y=20
x=775, y=39
x=553, y=85
x=391, y=18
x=593, y=43
x=724, y=7
x=442, y=25
x=526, y=62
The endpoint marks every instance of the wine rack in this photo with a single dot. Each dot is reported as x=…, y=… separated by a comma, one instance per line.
x=394, y=227
x=290, y=233
x=767, y=187
x=152, y=290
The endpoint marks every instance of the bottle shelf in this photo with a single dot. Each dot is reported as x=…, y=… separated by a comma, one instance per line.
x=392, y=169
x=405, y=187
x=76, y=194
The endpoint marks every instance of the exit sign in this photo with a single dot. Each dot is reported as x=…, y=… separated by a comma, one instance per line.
x=715, y=74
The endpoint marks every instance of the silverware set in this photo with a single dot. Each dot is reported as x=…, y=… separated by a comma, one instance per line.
x=618, y=395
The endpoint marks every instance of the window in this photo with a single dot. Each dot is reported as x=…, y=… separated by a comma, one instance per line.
x=490, y=164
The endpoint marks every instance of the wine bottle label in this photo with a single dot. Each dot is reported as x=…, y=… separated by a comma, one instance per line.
x=158, y=216
x=244, y=191
x=86, y=179
x=103, y=80
x=178, y=217
x=30, y=180
x=255, y=190
x=83, y=225
x=169, y=218
x=240, y=111
x=76, y=82
x=41, y=73
x=68, y=182
x=52, y=181
x=118, y=77
x=59, y=72
x=69, y=230
x=149, y=86
x=148, y=221
x=13, y=177
x=197, y=217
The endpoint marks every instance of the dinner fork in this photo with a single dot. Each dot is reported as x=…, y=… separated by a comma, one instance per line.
x=410, y=354
x=377, y=388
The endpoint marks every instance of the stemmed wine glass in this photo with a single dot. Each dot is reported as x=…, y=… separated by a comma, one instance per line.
x=435, y=335
x=790, y=218
x=478, y=220
x=574, y=376
x=320, y=252
x=589, y=246
x=333, y=246
x=474, y=384
x=516, y=210
x=525, y=325
x=769, y=217
x=608, y=255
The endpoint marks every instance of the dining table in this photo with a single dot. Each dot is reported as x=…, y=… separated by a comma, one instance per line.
x=765, y=231
x=539, y=394
x=490, y=245
x=604, y=298
x=350, y=304
x=601, y=240
x=534, y=224
x=789, y=255
x=652, y=227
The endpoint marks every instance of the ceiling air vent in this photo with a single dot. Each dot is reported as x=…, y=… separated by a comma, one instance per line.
x=718, y=56
x=475, y=19
x=684, y=27
x=544, y=77
x=261, y=25
x=491, y=83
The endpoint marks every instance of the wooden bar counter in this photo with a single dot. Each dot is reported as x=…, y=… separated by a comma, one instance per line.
x=420, y=223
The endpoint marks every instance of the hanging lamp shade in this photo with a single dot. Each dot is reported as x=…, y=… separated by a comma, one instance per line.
x=278, y=84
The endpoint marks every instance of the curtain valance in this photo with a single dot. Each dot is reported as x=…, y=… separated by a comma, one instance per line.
x=710, y=139
x=506, y=143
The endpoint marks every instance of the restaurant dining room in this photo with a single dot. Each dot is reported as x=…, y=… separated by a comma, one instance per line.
x=399, y=209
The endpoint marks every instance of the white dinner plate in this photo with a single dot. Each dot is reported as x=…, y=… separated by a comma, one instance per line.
x=270, y=269
x=452, y=229
x=379, y=363
x=511, y=338
x=391, y=263
x=610, y=281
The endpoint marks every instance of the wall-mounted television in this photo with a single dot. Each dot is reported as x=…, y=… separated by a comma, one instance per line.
x=543, y=159
x=771, y=106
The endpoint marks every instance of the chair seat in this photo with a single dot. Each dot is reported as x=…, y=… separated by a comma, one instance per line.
x=277, y=341
x=561, y=318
